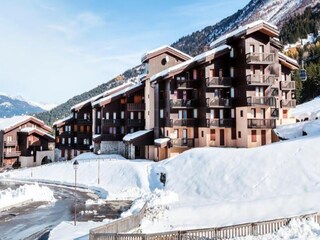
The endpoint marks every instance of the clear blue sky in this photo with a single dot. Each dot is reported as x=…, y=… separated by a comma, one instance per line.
x=51, y=50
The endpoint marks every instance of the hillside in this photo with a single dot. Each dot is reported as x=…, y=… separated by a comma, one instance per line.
x=275, y=12
x=12, y=106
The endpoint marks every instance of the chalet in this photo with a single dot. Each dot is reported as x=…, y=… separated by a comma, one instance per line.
x=26, y=141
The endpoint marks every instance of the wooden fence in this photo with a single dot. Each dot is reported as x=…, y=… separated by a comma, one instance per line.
x=241, y=230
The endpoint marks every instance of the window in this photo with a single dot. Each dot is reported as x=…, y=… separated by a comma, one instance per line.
x=232, y=113
x=75, y=140
x=167, y=133
x=231, y=72
x=241, y=113
x=139, y=115
x=107, y=115
x=63, y=141
x=161, y=113
x=212, y=134
x=75, y=128
x=98, y=129
x=85, y=116
x=195, y=113
x=232, y=52
x=253, y=113
x=165, y=60
x=114, y=115
x=212, y=114
x=69, y=140
x=98, y=114
x=239, y=134
x=75, y=115
x=122, y=114
x=253, y=135
x=122, y=129
x=233, y=133
x=285, y=113
x=202, y=133
x=176, y=133
x=195, y=74
x=132, y=130
x=131, y=115
x=263, y=113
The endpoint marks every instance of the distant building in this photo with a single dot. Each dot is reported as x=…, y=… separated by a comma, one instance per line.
x=232, y=95
x=26, y=141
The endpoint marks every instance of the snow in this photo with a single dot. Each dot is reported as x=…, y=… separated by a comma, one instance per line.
x=297, y=229
x=30, y=129
x=25, y=193
x=6, y=123
x=134, y=135
x=161, y=48
x=161, y=140
x=309, y=110
x=62, y=120
x=106, y=93
x=240, y=30
x=288, y=59
x=188, y=62
x=6, y=104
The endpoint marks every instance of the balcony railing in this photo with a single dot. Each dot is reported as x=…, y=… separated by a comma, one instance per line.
x=112, y=122
x=136, y=106
x=261, y=123
x=187, y=122
x=261, y=80
x=218, y=102
x=135, y=122
x=288, y=85
x=82, y=146
x=288, y=103
x=182, y=103
x=268, y=101
x=11, y=143
x=226, y=122
x=84, y=121
x=260, y=58
x=187, y=83
x=183, y=142
x=219, y=82
x=12, y=154
x=112, y=137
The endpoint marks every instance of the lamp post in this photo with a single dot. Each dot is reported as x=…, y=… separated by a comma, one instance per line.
x=98, y=166
x=75, y=167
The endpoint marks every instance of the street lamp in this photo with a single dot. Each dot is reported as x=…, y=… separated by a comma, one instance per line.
x=98, y=166
x=75, y=167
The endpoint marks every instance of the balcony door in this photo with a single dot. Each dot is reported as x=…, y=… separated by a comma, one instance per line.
x=263, y=137
x=184, y=136
x=221, y=137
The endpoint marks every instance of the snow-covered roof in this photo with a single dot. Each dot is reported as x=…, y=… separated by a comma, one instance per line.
x=30, y=129
x=106, y=93
x=240, y=30
x=145, y=55
x=161, y=140
x=131, y=136
x=109, y=97
x=6, y=123
x=288, y=59
x=62, y=120
x=188, y=62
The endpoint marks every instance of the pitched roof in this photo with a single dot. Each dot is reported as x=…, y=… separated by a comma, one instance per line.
x=162, y=49
x=257, y=25
x=8, y=123
x=95, y=98
x=289, y=62
x=31, y=130
x=63, y=120
x=181, y=66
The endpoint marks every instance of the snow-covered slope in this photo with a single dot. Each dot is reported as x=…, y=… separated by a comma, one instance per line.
x=309, y=110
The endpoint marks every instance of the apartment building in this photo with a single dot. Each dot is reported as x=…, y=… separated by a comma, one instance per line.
x=26, y=141
x=232, y=95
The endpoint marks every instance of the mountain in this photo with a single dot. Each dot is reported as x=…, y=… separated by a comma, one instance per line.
x=274, y=11
x=12, y=106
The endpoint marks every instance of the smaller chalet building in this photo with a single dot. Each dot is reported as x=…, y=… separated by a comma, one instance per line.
x=25, y=140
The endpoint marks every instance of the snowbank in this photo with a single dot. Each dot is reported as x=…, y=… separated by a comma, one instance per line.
x=310, y=110
x=24, y=194
x=296, y=130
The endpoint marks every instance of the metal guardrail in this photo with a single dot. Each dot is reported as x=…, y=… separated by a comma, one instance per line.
x=241, y=230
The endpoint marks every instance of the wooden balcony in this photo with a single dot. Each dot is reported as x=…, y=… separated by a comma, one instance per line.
x=135, y=122
x=187, y=83
x=220, y=82
x=262, y=123
x=182, y=103
x=218, y=102
x=187, y=122
x=264, y=101
x=12, y=143
x=226, y=122
x=83, y=134
x=183, y=142
x=84, y=121
x=287, y=85
x=261, y=80
x=112, y=122
x=82, y=146
x=288, y=103
x=136, y=107
x=112, y=137
x=12, y=154
x=260, y=58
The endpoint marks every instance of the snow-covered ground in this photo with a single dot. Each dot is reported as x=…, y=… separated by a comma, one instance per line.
x=206, y=187
x=25, y=193
x=310, y=110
